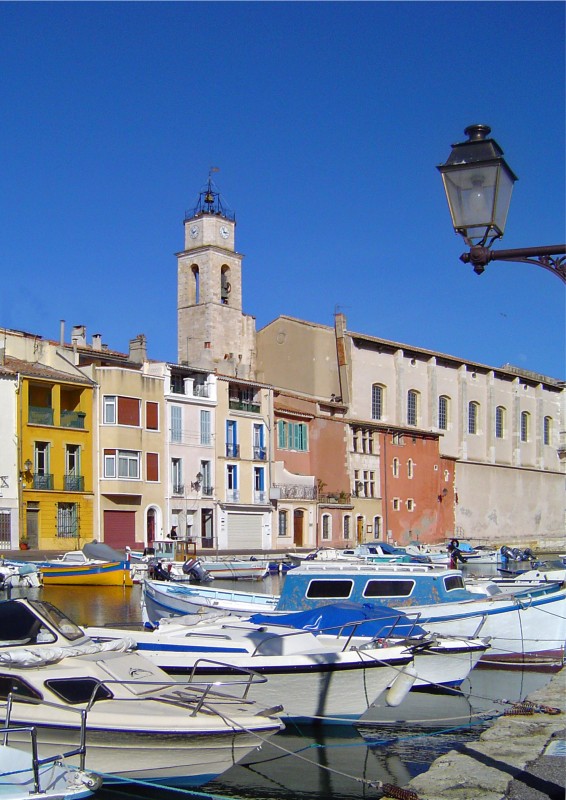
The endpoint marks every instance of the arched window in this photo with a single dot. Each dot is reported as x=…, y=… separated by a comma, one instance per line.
x=283, y=523
x=412, y=407
x=443, y=409
x=547, y=430
x=499, y=422
x=225, y=285
x=473, y=417
x=326, y=526
x=377, y=527
x=410, y=468
x=525, y=426
x=347, y=526
x=395, y=467
x=377, y=404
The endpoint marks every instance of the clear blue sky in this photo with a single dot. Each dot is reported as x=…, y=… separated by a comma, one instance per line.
x=327, y=121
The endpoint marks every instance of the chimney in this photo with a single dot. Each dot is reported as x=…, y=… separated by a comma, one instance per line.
x=62, y=333
x=97, y=341
x=78, y=335
x=138, y=349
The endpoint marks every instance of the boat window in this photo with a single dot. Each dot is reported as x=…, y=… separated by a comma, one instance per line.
x=329, y=589
x=59, y=621
x=9, y=684
x=388, y=588
x=454, y=582
x=19, y=625
x=78, y=690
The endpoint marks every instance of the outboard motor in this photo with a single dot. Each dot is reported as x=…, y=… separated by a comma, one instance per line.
x=156, y=572
x=195, y=570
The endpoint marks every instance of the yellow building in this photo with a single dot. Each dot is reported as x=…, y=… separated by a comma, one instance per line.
x=55, y=456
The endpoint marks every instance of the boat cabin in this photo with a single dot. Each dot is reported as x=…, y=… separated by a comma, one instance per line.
x=313, y=584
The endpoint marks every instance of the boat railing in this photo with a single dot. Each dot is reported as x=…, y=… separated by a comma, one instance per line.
x=37, y=762
x=249, y=677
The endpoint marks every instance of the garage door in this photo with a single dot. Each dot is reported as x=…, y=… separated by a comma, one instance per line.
x=120, y=528
x=244, y=531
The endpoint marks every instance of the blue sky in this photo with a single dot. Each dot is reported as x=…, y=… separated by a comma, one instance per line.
x=326, y=120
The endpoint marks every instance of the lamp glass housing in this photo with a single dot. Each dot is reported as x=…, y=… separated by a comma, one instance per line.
x=479, y=195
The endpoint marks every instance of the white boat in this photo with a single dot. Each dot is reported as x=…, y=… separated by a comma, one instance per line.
x=18, y=574
x=526, y=626
x=140, y=723
x=171, y=599
x=327, y=663
x=24, y=776
x=178, y=560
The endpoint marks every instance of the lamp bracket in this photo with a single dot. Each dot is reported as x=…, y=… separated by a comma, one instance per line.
x=480, y=256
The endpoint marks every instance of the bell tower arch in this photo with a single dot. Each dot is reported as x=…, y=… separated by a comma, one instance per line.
x=212, y=331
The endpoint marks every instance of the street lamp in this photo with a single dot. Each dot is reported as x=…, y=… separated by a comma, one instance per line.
x=478, y=183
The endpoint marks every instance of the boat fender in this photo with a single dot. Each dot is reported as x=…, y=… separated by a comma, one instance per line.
x=401, y=686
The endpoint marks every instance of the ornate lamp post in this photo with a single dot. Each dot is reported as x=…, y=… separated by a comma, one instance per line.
x=478, y=183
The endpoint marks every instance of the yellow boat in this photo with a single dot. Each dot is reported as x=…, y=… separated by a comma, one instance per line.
x=108, y=573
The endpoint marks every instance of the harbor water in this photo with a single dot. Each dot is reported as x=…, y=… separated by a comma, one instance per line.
x=344, y=762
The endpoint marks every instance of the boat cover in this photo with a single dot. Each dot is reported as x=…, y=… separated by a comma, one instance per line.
x=376, y=621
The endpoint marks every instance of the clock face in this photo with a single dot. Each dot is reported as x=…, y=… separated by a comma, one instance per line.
x=194, y=231
x=224, y=232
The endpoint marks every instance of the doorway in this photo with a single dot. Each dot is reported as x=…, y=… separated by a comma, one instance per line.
x=298, y=527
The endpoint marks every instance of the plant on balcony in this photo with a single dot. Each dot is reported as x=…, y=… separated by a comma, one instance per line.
x=24, y=544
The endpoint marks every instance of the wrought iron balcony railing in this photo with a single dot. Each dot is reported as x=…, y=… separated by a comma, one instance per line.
x=232, y=450
x=43, y=481
x=74, y=483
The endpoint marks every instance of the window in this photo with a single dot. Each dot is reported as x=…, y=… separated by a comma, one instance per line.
x=126, y=461
x=410, y=504
x=367, y=441
x=259, y=446
x=205, y=428
x=326, y=526
x=232, y=450
x=206, y=470
x=473, y=417
x=128, y=464
x=398, y=439
x=389, y=588
x=547, y=430
x=395, y=467
x=176, y=424
x=177, y=384
x=443, y=405
x=152, y=416
x=152, y=466
x=412, y=407
x=121, y=410
x=78, y=690
x=377, y=393
x=292, y=436
x=499, y=422
x=410, y=468
x=369, y=483
x=396, y=504
x=283, y=519
x=377, y=527
x=329, y=589
x=525, y=426
x=67, y=520
x=42, y=478
x=347, y=526
x=74, y=482
x=232, y=477
x=177, y=476
x=109, y=410
x=259, y=480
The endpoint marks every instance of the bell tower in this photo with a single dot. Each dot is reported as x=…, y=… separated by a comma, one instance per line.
x=212, y=331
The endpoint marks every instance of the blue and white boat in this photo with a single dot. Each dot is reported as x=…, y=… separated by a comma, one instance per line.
x=526, y=626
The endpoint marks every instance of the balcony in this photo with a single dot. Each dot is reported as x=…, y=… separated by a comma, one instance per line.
x=290, y=491
x=260, y=454
x=201, y=390
x=207, y=491
x=43, y=481
x=40, y=415
x=74, y=483
x=232, y=450
x=178, y=488
x=73, y=419
x=244, y=405
x=233, y=496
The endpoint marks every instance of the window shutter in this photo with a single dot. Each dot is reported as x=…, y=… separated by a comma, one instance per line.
x=152, y=466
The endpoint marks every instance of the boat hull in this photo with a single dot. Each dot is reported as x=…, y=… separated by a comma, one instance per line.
x=110, y=574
